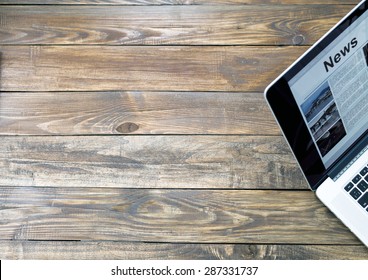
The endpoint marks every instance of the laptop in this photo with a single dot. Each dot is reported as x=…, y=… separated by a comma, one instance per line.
x=321, y=105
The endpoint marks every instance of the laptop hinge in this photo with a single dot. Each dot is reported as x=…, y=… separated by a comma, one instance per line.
x=349, y=158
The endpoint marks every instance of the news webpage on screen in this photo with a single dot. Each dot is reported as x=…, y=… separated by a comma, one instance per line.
x=332, y=92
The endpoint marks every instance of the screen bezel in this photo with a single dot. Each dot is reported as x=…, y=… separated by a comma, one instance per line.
x=288, y=115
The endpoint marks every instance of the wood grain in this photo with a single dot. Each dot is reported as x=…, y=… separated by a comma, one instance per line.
x=173, y=2
x=246, y=162
x=168, y=25
x=169, y=216
x=84, y=113
x=100, y=250
x=99, y=68
x=79, y=72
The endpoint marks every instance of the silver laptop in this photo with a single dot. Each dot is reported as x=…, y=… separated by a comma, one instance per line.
x=321, y=105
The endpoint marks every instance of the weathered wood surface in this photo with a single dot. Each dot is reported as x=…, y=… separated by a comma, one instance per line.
x=84, y=113
x=168, y=25
x=227, y=162
x=80, y=73
x=193, y=216
x=173, y=2
x=94, y=250
x=158, y=68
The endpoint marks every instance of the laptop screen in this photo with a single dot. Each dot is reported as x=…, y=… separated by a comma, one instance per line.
x=332, y=92
x=321, y=101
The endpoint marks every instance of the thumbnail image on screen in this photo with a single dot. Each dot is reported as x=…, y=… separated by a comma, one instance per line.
x=323, y=119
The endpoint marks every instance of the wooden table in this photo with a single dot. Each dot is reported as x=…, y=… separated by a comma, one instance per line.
x=136, y=129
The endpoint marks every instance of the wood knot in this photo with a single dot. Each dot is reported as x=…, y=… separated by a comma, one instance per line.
x=127, y=127
x=298, y=39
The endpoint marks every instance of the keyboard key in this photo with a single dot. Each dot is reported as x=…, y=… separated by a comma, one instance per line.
x=364, y=200
x=355, y=193
x=363, y=185
x=364, y=171
x=349, y=186
x=357, y=179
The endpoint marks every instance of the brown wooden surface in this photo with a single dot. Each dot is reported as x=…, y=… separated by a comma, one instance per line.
x=247, y=162
x=96, y=250
x=138, y=130
x=86, y=113
x=172, y=2
x=160, y=68
x=168, y=25
x=203, y=216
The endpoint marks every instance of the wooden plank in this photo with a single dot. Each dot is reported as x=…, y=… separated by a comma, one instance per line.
x=172, y=2
x=194, y=216
x=232, y=162
x=84, y=113
x=168, y=25
x=92, y=250
x=98, y=68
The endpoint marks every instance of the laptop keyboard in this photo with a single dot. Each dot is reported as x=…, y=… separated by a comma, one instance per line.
x=358, y=187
